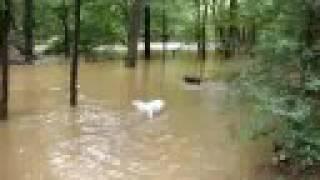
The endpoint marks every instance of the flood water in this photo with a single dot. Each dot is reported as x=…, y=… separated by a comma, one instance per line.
x=105, y=138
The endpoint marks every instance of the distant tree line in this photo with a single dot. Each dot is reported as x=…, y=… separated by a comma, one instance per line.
x=109, y=22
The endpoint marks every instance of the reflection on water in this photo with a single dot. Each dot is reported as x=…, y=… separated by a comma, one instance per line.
x=105, y=138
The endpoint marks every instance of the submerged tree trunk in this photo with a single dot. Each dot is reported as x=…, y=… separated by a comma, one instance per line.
x=133, y=34
x=75, y=60
x=147, y=32
x=28, y=30
x=4, y=33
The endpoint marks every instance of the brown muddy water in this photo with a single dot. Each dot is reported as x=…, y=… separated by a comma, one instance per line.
x=105, y=138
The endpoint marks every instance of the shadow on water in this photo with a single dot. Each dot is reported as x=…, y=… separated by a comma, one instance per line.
x=196, y=137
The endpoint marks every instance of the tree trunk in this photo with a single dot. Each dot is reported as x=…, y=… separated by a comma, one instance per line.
x=220, y=31
x=252, y=37
x=66, y=29
x=227, y=43
x=164, y=31
x=28, y=30
x=198, y=27
x=75, y=60
x=134, y=31
x=233, y=28
x=203, y=40
x=213, y=9
x=308, y=39
x=4, y=33
x=243, y=35
x=147, y=32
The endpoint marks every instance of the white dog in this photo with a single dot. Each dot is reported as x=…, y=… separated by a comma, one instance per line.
x=150, y=108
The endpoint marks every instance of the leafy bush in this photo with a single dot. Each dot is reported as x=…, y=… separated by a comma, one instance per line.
x=284, y=82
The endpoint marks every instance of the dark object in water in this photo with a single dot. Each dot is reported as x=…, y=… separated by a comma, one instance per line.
x=192, y=80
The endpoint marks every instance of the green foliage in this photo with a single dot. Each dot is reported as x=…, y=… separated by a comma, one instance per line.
x=101, y=22
x=106, y=21
x=180, y=19
x=281, y=79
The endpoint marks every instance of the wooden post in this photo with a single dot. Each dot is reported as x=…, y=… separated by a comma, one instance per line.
x=75, y=59
x=147, y=32
x=4, y=30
